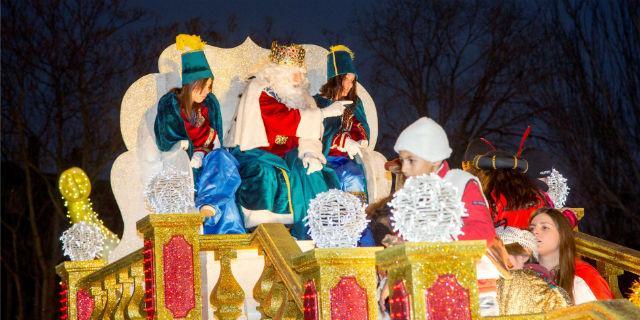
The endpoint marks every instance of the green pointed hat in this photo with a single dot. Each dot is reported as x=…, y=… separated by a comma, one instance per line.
x=340, y=61
x=194, y=62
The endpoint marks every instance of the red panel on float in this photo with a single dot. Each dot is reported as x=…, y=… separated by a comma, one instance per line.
x=310, y=301
x=179, y=291
x=399, y=302
x=348, y=300
x=84, y=304
x=447, y=299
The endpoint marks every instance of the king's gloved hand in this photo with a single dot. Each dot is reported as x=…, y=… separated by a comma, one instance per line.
x=312, y=164
x=336, y=109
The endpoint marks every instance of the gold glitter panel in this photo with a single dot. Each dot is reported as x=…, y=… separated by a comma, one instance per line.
x=420, y=263
x=160, y=229
x=612, y=259
x=71, y=272
x=609, y=310
x=326, y=266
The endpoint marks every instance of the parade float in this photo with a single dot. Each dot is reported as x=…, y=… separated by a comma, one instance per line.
x=163, y=267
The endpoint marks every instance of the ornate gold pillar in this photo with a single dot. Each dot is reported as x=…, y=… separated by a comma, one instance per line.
x=432, y=280
x=338, y=283
x=74, y=300
x=172, y=265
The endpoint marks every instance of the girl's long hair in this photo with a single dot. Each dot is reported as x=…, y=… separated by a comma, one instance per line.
x=184, y=95
x=566, y=267
x=333, y=87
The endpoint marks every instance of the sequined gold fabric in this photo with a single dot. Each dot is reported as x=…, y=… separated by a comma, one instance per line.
x=526, y=293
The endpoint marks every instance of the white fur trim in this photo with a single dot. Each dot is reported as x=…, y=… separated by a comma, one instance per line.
x=311, y=147
x=460, y=179
x=247, y=131
x=310, y=126
x=253, y=218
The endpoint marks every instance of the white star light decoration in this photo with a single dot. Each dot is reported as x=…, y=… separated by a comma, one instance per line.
x=170, y=191
x=558, y=188
x=336, y=219
x=83, y=241
x=428, y=209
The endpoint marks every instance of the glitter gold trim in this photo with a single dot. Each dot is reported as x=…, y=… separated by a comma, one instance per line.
x=612, y=259
x=326, y=267
x=160, y=228
x=420, y=263
x=227, y=297
x=286, y=181
x=280, y=139
x=71, y=272
x=278, y=247
x=612, y=309
x=291, y=55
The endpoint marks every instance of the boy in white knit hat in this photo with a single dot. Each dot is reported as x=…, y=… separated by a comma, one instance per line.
x=423, y=148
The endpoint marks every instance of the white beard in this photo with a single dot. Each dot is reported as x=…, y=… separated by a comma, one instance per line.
x=280, y=81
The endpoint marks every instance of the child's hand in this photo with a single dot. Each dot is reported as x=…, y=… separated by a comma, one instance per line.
x=196, y=160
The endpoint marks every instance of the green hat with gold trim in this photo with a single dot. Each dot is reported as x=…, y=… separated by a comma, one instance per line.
x=194, y=62
x=340, y=61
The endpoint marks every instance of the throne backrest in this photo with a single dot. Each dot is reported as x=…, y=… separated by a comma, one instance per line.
x=232, y=67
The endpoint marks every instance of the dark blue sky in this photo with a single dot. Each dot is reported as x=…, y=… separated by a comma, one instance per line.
x=304, y=19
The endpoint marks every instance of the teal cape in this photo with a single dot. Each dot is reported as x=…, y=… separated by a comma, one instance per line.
x=280, y=185
x=350, y=173
x=217, y=180
x=169, y=126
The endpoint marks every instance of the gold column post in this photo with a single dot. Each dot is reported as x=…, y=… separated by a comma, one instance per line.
x=71, y=272
x=421, y=265
x=327, y=268
x=172, y=265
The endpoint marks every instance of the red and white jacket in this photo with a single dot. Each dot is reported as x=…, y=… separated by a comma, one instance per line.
x=478, y=225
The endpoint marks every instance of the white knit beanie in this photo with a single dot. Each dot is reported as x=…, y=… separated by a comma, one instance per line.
x=426, y=139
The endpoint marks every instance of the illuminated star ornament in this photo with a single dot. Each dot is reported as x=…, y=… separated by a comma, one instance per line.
x=170, y=191
x=336, y=219
x=558, y=189
x=83, y=241
x=428, y=209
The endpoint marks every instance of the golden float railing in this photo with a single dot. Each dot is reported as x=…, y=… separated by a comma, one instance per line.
x=163, y=279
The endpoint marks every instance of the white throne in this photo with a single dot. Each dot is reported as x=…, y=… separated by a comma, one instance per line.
x=231, y=68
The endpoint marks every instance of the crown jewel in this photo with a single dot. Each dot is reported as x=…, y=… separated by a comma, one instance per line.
x=288, y=55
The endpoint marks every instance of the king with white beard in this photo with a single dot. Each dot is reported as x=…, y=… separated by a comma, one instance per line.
x=276, y=138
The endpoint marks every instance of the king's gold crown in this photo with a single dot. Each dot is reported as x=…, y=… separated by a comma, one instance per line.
x=288, y=55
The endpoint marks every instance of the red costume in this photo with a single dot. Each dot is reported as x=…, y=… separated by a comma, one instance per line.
x=199, y=129
x=478, y=224
x=356, y=132
x=280, y=123
x=594, y=280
